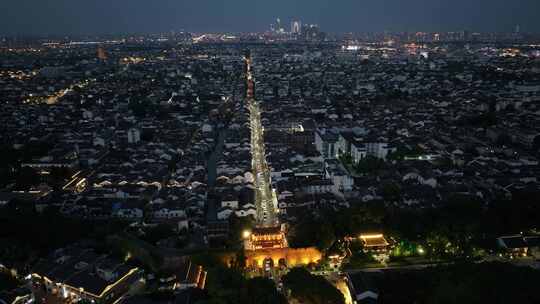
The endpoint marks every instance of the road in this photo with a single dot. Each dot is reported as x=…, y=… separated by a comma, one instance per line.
x=411, y=267
x=61, y=93
x=266, y=214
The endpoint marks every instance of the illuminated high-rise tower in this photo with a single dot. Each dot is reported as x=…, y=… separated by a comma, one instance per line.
x=279, y=28
x=296, y=27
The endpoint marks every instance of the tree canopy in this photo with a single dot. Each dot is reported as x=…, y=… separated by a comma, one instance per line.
x=311, y=289
x=228, y=286
x=462, y=283
x=312, y=232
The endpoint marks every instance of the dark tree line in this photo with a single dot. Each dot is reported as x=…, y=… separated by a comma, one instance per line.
x=461, y=283
x=226, y=284
x=311, y=289
x=463, y=221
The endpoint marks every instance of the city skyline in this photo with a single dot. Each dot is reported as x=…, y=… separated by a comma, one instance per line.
x=31, y=17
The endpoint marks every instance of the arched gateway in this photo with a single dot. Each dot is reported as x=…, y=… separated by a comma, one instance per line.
x=289, y=256
x=270, y=243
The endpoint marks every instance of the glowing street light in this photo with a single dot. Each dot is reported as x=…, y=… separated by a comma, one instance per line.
x=246, y=234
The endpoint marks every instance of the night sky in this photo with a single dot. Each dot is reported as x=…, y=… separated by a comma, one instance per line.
x=151, y=16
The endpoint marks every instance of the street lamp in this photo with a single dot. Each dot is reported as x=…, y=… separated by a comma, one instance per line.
x=246, y=234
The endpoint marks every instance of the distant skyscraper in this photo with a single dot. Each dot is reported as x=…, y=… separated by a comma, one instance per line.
x=278, y=25
x=312, y=33
x=465, y=35
x=517, y=33
x=296, y=27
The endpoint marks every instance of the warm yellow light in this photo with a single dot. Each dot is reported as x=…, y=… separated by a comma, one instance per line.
x=246, y=234
x=371, y=236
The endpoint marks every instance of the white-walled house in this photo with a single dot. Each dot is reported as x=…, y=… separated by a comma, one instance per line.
x=129, y=213
x=224, y=213
x=430, y=181
x=183, y=224
x=378, y=149
x=233, y=204
x=326, y=144
x=134, y=135
x=318, y=186
x=166, y=213
x=341, y=180
x=358, y=152
x=247, y=210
